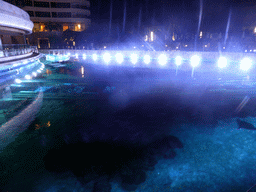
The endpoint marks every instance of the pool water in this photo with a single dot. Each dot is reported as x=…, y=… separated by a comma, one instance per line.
x=121, y=129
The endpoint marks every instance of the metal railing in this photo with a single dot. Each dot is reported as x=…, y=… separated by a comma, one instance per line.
x=9, y=50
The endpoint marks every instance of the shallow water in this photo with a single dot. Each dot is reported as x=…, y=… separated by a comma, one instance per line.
x=132, y=129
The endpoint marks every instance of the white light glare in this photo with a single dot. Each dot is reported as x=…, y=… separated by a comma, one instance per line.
x=134, y=58
x=246, y=63
x=94, y=57
x=162, y=59
x=106, y=57
x=178, y=60
x=195, y=60
x=119, y=58
x=84, y=56
x=147, y=59
x=222, y=62
x=27, y=77
x=39, y=71
x=34, y=74
x=17, y=81
x=76, y=55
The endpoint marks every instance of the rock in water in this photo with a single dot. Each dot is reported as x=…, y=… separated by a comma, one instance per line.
x=245, y=125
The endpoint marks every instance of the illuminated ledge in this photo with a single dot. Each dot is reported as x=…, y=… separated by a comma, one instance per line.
x=6, y=59
x=19, y=123
x=12, y=17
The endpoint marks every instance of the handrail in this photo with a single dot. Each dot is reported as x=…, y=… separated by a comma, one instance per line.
x=16, y=49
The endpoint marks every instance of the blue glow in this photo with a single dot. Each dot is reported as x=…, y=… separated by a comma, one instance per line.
x=119, y=58
x=34, y=74
x=94, y=57
x=25, y=62
x=195, y=60
x=178, y=60
x=50, y=58
x=246, y=64
x=162, y=59
x=222, y=62
x=134, y=58
x=18, y=81
x=76, y=55
x=106, y=57
x=84, y=56
x=147, y=59
x=27, y=77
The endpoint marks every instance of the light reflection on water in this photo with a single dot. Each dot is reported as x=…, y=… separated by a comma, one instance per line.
x=69, y=102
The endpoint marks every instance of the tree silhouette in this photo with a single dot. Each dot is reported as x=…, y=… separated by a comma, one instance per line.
x=50, y=26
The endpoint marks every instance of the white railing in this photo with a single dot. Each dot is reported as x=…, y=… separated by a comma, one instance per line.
x=14, y=50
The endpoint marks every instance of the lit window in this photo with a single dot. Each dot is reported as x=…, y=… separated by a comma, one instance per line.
x=74, y=43
x=78, y=27
x=65, y=27
x=42, y=27
x=254, y=29
x=201, y=34
x=36, y=27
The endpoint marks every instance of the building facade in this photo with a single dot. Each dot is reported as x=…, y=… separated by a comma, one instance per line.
x=53, y=17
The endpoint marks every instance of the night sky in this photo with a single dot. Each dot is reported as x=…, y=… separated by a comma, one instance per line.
x=160, y=12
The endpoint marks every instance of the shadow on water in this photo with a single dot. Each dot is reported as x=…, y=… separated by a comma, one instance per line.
x=118, y=143
x=103, y=162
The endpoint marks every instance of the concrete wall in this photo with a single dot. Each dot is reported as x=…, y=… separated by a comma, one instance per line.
x=14, y=17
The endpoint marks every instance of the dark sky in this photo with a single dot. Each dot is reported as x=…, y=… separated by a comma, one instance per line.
x=214, y=18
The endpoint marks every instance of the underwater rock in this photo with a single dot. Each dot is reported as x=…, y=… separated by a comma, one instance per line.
x=164, y=146
x=102, y=185
x=245, y=125
x=92, y=161
x=131, y=182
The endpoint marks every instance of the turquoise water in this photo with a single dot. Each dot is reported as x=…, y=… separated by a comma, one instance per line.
x=131, y=129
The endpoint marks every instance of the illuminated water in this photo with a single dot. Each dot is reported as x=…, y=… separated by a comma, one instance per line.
x=132, y=129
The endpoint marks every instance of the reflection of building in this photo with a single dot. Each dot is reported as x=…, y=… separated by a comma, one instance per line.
x=52, y=17
x=152, y=33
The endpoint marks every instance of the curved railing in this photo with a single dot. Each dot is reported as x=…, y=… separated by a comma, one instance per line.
x=16, y=49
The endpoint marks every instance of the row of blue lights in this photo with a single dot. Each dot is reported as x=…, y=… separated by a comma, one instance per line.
x=195, y=60
x=33, y=74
